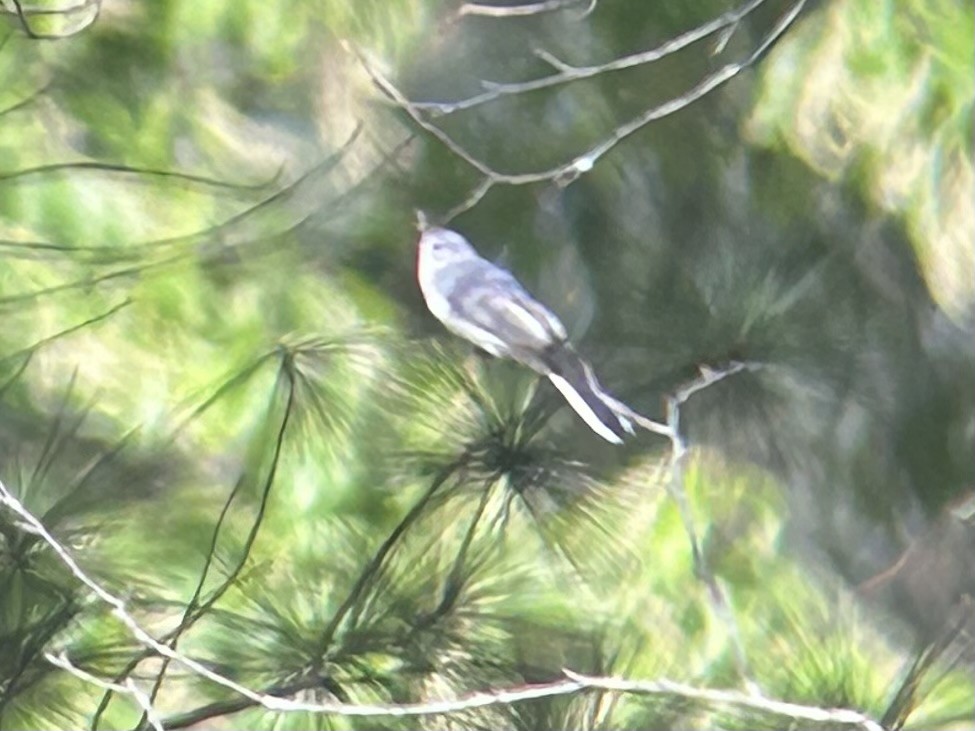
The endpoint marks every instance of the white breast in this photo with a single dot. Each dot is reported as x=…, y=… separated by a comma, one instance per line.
x=436, y=302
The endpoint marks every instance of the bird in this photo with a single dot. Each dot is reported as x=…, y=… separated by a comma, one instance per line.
x=484, y=304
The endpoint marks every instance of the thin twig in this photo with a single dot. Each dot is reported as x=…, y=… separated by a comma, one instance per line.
x=515, y=11
x=142, y=174
x=575, y=683
x=23, y=13
x=568, y=73
x=731, y=698
x=382, y=553
x=26, y=101
x=572, y=684
x=29, y=350
x=565, y=173
x=150, y=715
x=236, y=230
x=194, y=611
x=33, y=525
x=679, y=447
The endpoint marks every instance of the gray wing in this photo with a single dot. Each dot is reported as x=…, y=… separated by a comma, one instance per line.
x=491, y=299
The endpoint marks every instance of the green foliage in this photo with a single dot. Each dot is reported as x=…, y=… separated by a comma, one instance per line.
x=886, y=98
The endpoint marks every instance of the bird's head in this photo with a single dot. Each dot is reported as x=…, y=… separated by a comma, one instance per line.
x=440, y=247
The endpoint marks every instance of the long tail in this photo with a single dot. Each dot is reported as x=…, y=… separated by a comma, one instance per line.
x=574, y=379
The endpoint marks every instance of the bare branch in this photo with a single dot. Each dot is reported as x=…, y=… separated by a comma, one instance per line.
x=554, y=61
x=679, y=448
x=140, y=175
x=194, y=608
x=709, y=376
x=351, y=602
x=567, y=73
x=573, y=683
x=565, y=173
x=472, y=199
x=127, y=688
x=29, y=350
x=730, y=698
x=76, y=18
x=516, y=11
x=26, y=101
x=32, y=525
x=716, y=594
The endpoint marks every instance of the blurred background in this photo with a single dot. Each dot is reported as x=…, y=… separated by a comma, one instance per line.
x=221, y=391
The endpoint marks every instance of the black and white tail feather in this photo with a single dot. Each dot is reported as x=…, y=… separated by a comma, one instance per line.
x=575, y=380
x=486, y=305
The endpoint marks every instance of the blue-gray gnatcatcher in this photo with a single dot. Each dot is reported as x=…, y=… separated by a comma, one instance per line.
x=486, y=305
